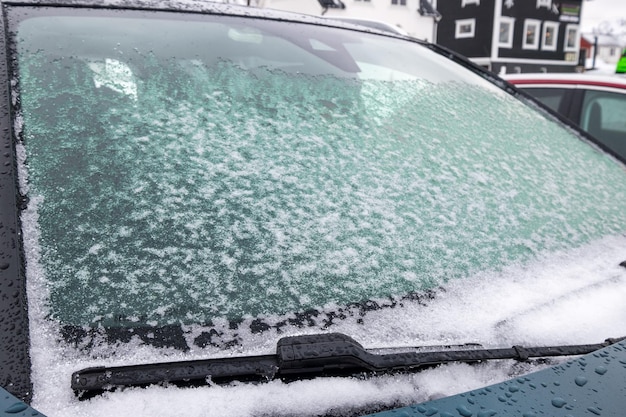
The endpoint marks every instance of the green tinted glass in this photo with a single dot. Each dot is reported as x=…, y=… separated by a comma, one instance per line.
x=229, y=171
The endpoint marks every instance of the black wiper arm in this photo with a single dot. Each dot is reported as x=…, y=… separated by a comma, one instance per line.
x=303, y=357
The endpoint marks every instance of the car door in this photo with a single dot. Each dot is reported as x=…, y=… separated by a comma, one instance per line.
x=559, y=99
x=597, y=111
x=602, y=113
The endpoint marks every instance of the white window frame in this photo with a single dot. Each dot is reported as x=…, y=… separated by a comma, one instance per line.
x=544, y=38
x=568, y=29
x=528, y=23
x=544, y=3
x=466, y=2
x=511, y=22
x=462, y=22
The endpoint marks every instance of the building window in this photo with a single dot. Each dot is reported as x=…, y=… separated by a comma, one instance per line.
x=544, y=3
x=399, y=2
x=571, y=38
x=465, y=28
x=466, y=2
x=532, y=30
x=505, y=37
x=550, y=36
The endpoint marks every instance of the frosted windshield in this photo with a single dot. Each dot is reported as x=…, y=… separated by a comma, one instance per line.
x=186, y=171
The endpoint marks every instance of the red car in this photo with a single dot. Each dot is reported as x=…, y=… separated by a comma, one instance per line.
x=595, y=103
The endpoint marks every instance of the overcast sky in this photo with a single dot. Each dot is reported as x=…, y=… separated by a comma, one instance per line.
x=596, y=11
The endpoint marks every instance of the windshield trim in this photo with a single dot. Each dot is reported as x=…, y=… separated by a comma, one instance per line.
x=14, y=334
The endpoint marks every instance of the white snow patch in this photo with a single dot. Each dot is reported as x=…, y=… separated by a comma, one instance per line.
x=566, y=297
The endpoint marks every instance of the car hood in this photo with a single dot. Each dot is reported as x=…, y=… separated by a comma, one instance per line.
x=581, y=386
x=591, y=383
x=566, y=297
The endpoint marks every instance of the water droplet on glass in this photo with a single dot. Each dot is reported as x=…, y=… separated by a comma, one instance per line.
x=558, y=402
x=580, y=381
x=601, y=370
x=16, y=408
x=431, y=411
x=464, y=411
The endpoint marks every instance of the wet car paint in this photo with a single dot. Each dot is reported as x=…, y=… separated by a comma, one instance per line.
x=592, y=385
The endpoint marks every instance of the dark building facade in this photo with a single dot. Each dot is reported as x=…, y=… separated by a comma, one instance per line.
x=513, y=35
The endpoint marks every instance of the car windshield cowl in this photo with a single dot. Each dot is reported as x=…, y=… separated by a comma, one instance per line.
x=307, y=356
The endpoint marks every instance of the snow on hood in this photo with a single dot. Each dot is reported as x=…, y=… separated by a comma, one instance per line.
x=564, y=298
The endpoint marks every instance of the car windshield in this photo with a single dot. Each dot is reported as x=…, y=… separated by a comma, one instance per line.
x=209, y=181
x=220, y=170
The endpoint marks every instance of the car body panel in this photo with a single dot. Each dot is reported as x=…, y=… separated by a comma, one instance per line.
x=11, y=406
x=592, y=385
x=14, y=332
x=599, y=81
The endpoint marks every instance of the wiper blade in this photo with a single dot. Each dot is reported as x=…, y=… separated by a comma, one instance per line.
x=300, y=357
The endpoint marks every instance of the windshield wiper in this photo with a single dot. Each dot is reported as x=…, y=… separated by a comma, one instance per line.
x=300, y=357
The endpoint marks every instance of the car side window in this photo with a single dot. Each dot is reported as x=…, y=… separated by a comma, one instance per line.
x=551, y=97
x=602, y=115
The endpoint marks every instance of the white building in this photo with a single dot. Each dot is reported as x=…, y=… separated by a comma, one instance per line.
x=416, y=17
x=602, y=51
x=609, y=48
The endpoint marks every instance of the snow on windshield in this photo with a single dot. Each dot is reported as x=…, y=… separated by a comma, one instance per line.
x=565, y=297
x=206, y=195
x=479, y=208
x=234, y=194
